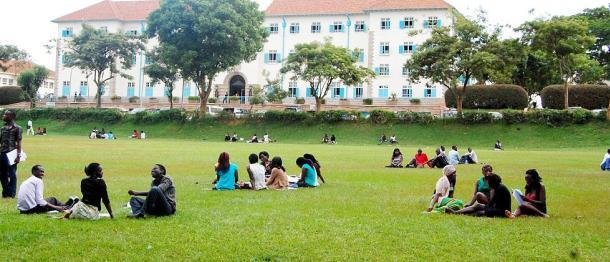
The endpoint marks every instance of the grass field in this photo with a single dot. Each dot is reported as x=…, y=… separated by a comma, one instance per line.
x=364, y=212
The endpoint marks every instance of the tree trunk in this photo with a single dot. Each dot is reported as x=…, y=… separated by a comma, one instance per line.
x=608, y=111
x=459, y=100
x=566, y=103
x=171, y=101
x=318, y=104
x=204, y=93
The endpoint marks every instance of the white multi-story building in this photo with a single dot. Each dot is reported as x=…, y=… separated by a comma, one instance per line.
x=387, y=33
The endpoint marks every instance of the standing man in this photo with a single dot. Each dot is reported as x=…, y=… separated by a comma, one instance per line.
x=226, y=98
x=160, y=200
x=30, y=127
x=10, y=139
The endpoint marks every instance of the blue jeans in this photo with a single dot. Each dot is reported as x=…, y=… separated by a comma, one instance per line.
x=8, y=177
x=155, y=204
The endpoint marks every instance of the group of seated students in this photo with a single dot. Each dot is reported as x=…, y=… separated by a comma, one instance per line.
x=605, y=164
x=100, y=134
x=41, y=131
x=136, y=135
x=160, y=200
x=265, y=174
x=329, y=140
x=491, y=197
x=254, y=139
x=392, y=140
x=440, y=160
x=231, y=138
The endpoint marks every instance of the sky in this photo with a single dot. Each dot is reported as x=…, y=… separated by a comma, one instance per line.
x=27, y=23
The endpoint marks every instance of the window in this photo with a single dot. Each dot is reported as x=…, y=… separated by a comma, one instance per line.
x=83, y=83
x=360, y=26
x=131, y=89
x=384, y=70
x=4, y=81
x=336, y=27
x=432, y=21
x=407, y=48
x=131, y=84
x=66, y=83
x=10, y=82
x=132, y=32
x=315, y=27
x=337, y=90
x=358, y=92
x=294, y=28
x=272, y=56
x=383, y=92
x=148, y=91
x=407, y=91
x=384, y=48
x=292, y=89
x=67, y=32
x=407, y=23
x=430, y=91
x=385, y=23
x=104, y=29
x=405, y=71
x=273, y=28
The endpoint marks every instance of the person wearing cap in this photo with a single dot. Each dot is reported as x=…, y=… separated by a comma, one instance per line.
x=443, y=187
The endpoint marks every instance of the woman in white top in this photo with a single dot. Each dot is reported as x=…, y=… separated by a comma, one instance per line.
x=443, y=186
x=256, y=172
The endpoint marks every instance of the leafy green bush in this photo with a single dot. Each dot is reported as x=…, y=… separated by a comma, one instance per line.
x=415, y=101
x=491, y=97
x=475, y=117
x=80, y=99
x=580, y=116
x=194, y=99
x=234, y=98
x=225, y=116
x=415, y=117
x=585, y=96
x=134, y=99
x=73, y=114
x=115, y=98
x=382, y=117
x=212, y=100
x=514, y=116
x=10, y=95
x=331, y=116
x=300, y=101
x=286, y=116
x=550, y=117
x=367, y=101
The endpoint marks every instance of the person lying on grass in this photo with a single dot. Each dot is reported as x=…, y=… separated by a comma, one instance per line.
x=226, y=173
x=498, y=205
x=308, y=173
x=443, y=187
x=533, y=203
x=30, y=198
x=396, y=159
x=481, y=188
x=315, y=164
x=160, y=199
x=278, y=179
x=94, y=193
x=420, y=160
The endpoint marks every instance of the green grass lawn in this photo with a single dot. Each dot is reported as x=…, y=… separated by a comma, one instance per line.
x=364, y=212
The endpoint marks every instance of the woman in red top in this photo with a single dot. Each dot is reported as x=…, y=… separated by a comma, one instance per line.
x=535, y=196
x=419, y=160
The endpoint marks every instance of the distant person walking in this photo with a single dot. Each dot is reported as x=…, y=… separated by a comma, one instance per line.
x=10, y=142
x=30, y=128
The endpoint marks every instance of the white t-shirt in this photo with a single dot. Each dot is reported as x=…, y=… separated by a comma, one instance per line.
x=266, y=138
x=606, y=156
x=29, y=123
x=443, y=186
x=474, y=157
x=258, y=172
x=143, y=135
x=30, y=194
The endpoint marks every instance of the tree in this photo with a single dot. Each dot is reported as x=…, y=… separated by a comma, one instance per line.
x=160, y=72
x=258, y=96
x=453, y=59
x=322, y=64
x=8, y=53
x=98, y=52
x=598, y=20
x=564, y=41
x=203, y=38
x=30, y=80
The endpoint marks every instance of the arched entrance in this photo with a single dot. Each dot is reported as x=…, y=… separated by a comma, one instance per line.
x=237, y=86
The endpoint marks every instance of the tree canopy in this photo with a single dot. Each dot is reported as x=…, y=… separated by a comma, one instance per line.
x=30, y=81
x=322, y=64
x=159, y=71
x=98, y=52
x=202, y=38
x=8, y=53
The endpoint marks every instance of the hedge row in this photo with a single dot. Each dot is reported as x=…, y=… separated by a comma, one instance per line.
x=10, y=95
x=491, y=97
x=585, y=96
x=548, y=117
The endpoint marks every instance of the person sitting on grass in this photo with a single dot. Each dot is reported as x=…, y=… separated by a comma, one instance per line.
x=470, y=157
x=94, y=193
x=256, y=172
x=533, y=203
x=266, y=138
x=498, y=205
x=264, y=158
x=30, y=198
x=142, y=135
x=226, y=173
x=454, y=156
x=420, y=160
x=308, y=173
x=439, y=161
x=234, y=138
x=325, y=139
x=160, y=199
x=278, y=179
x=482, y=190
x=498, y=145
x=396, y=159
x=254, y=139
x=605, y=165
x=135, y=134
x=442, y=188
x=333, y=139
x=316, y=165
x=227, y=138
x=383, y=139
x=110, y=136
x=393, y=140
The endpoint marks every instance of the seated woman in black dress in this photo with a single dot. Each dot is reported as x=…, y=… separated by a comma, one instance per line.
x=498, y=206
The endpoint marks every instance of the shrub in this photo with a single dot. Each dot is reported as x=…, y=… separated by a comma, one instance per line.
x=331, y=116
x=73, y=114
x=10, y=95
x=225, y=116
x=367, y=101
x=173, y=115
x=415, y=100
x=475, y=117
x=415, y=117
x=212, y=100
x=580, y=116
x=134, y=99
x=300, y=101
x=80, y=99
x=382, y=117
x=491, y=97
x=286, y=116
x=550, y=117
x=585, y=96
x=115, y=98
x=194, y=99
x=514, y=116
x=233, y=98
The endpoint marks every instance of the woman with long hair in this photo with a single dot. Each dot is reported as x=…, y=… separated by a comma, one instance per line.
x=316, y=165
x=278, y=179
x=226, y=173
x=396, y=159
x=533, y=203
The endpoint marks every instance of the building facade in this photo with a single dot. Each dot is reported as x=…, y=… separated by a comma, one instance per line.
x=15, y=68
x=385, y=32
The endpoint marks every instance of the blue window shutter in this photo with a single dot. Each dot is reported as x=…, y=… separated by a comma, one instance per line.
x=361, y=57
x=433, y=92
x=401, y=49
x=380, y=49
x=279, y=58
x=389, y=24
x=439, y=23
x=402, y=24
x=364, y=27
x=331, y=28
x=266, y=58
x=414, y=48
x=65, y=91
x=134, y=59
x=342, y=92
x=297, y=93
x=342, y=28
x=130, y=91
x=426, y=24
x=377, y=70
x=186, y=92
x=84, y=91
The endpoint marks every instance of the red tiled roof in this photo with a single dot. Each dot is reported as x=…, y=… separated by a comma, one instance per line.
x=301, y=7
x=134, y=10
x=15, y=67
